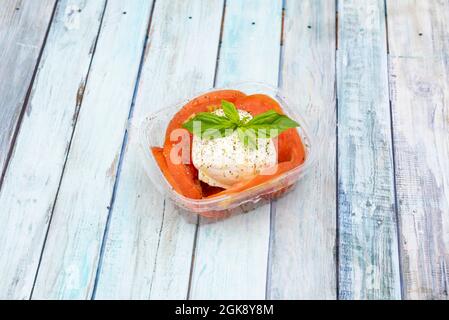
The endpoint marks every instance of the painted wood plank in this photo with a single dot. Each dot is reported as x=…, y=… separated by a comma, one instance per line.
x=72, y=250
x=368, y=248
x=231, y=255
x=33, y=175
x=419, y=86
x=149, y=245
x=23, y=25
x=303, y=239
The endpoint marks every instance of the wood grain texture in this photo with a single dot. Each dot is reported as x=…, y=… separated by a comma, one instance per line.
x=231, y=255
x=72, y=249
x=149, y=245
x=419, y=82
x=303, y=239
x=33, y=175
x=23, y=25
x=368, y=252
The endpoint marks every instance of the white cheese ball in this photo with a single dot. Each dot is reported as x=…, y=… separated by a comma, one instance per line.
x=225, y=161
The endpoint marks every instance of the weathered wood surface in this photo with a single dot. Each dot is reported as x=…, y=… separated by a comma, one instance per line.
x=368, y=248
x=32, y=179
x=419, y=82
x=231, y=256
x=149, y=245
x=72, y=250
x=303, y=239
x=80, y=219
x=23, y=26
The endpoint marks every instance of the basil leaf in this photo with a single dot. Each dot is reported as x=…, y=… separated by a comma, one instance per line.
x=268, y=130
x=188, y=125
x=265, y=125
x=270, y=124
x=266, y=117
x=247, y=137
x=217, y=131
x=230, y=111
x=284, y=122
x=210, y=118
x=244, y=120
x=209, y=124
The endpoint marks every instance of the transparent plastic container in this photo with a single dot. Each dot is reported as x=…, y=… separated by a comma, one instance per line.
x=152, y=133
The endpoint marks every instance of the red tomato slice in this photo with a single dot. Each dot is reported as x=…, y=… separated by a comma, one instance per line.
x=184, y=177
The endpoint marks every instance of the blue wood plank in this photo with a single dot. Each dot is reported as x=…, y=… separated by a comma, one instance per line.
x=231, y=255
x=32, y=179
x=368, y=252
x=23, y=26
x=72, y=250
x=303, y=241
x=148, y=250
x=419, y=85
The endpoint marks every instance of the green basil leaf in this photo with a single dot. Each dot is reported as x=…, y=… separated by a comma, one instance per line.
x=270, y=124
x=188, y=125
x=209, y=125
x=241, y=135
x=247, y=136
x=284, y=122
x=230, y=111
x=266, y=117
x=217, y=131
x=265, y=125
x=267, y=130
x=210, y=118
x=244, y=120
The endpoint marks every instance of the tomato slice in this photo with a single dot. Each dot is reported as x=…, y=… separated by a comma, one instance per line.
x=296, y=157
x=204, y=103
x=158, y=154
x=184, y=177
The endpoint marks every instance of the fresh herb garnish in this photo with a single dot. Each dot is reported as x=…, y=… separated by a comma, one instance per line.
x=265, y=125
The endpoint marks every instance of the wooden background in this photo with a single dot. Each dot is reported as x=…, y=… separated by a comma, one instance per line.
x=79, y=219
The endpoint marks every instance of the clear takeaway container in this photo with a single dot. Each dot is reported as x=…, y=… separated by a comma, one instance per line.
x=152, y=133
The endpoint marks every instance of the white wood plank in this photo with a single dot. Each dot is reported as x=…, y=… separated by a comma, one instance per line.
x=368, y=248
x=72, y=250
x=23, y=25
x=231, y=255
x=149, y=245
x=33, y=175
x=419, y=82
x=303, y=260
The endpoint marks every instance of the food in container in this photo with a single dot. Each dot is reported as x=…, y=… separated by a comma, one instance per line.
x=249, y=146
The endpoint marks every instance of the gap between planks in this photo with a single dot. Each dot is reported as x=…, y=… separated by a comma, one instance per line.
x=79, y=101
x=122, y=149
x=273, y=202
x=396, y=207
x=27, y=97
x=337, y=206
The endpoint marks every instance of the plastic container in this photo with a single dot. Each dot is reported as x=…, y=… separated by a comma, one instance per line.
x=152, y=133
